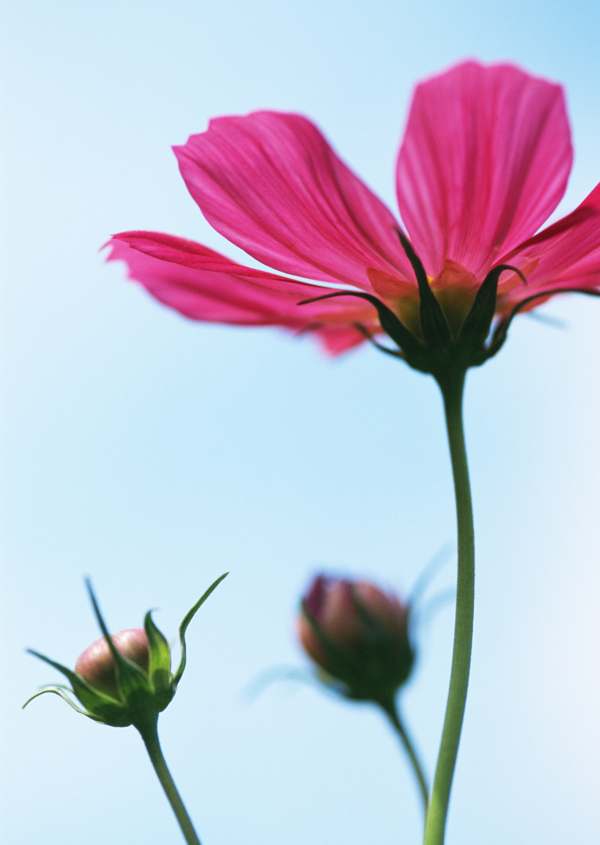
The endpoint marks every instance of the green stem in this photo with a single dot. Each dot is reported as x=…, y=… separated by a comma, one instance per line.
x=393, y=715
x=149, y=733
x=452, y=388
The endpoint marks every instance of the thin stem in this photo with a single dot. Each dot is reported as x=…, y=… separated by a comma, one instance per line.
x=435, y=821
x=393, y=715
x=149, y=733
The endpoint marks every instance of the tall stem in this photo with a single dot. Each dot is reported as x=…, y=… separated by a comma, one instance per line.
x=391, y=711
x=452, y=388
x=149, y=733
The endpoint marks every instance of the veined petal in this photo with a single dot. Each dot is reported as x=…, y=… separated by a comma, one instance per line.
x=484, y=162
x=272, y=185
x=203, y=285
x=565, y=255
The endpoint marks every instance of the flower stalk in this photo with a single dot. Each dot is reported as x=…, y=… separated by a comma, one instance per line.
x=391, y=711
x=149, y=733
x=126, y=679
x=452, y=387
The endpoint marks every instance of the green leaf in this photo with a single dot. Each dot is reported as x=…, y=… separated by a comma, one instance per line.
x=184, y=625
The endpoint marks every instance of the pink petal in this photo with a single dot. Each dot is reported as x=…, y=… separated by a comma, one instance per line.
x=204, y=285
x=271, y=184
x=565, y=255
x=485, y=161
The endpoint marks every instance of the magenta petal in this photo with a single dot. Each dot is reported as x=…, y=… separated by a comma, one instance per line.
x=485, y=161
x=203, y=285
x=271, y=184
x=565, y=255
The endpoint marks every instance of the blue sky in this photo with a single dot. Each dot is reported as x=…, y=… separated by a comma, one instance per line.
x=152, y=454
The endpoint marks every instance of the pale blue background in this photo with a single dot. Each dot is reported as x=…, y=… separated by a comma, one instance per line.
x=153, y=454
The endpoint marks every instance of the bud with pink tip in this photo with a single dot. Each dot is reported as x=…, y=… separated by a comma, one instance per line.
x=124, y=678
x=97, y=666
x=358, y=635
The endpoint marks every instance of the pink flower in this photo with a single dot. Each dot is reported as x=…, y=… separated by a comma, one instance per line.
x=359, y=635
x=484, y=162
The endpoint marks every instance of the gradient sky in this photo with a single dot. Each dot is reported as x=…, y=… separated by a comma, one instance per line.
x=152, y=453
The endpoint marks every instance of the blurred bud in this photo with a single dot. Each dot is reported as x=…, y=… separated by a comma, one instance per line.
x=358, y=635
x=97, y=666
x=124, y=678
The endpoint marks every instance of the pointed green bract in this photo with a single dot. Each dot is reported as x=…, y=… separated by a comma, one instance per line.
x=476, y=328
x=501, y=331
x=410, y=345
x=84, y=692
x=186, y=621
x=62, y=693
x=159, y=669
x=98, y=706
x=132, y=682
x=435, y=328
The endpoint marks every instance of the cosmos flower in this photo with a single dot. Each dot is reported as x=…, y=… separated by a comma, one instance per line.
x=484, y=162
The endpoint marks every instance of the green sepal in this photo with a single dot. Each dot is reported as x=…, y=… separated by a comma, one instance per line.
x=477, y=325
x=98, y=705
x=434, y=326
x=184, y=625
x=89, y=697
x=62, y=692
x=395, y=353
x=159, y=669
x=341, y=668
x=411, y=346
x=501, y=331
x=132, y=682
x=338, y=654
x=383, y=643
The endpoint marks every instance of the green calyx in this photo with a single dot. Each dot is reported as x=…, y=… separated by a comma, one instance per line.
x=438, y=350
x=140, y=695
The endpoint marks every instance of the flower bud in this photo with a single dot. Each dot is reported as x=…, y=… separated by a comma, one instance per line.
x=124, y=678
x=358, y=635
x=97, y=666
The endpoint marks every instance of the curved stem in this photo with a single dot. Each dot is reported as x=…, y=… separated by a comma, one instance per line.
x=149, y=733
x=452, y=388
x=393, y=715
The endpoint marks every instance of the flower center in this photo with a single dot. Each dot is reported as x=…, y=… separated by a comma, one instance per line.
x=454, y=288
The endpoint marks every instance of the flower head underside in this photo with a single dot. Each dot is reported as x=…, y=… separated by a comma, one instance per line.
x=484, y=162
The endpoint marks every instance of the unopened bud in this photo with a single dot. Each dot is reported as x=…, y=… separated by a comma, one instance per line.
x=124, y=678
x=97, y=666
x=358, y=634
